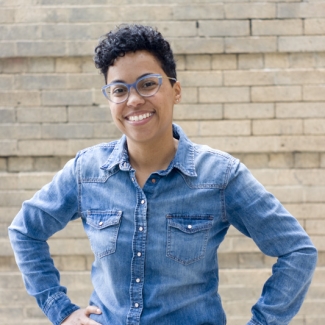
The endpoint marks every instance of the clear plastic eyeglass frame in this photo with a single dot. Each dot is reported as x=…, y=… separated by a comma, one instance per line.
x=134, y=85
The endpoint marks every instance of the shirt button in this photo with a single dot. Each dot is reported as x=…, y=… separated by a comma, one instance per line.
x=137, y=280
x=140, y=228
x=101, y=223
x=189, y=226
x=153, y=180
x=139, y=254
x=136, y=305
x=142, y=201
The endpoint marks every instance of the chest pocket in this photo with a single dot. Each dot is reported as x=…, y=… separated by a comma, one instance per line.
x=102, y=228
x=187, y=237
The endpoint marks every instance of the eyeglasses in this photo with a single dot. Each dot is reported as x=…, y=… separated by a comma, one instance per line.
x=147, y=86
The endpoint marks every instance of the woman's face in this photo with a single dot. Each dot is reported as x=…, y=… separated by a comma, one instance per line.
x=143, y=120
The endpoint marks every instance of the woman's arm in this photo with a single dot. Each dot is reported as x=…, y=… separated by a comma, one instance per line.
x=47, y=212
x=259, y=215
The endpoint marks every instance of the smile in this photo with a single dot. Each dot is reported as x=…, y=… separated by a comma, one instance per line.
x=139, y=117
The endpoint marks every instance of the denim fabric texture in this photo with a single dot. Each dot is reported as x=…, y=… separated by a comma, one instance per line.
x=155, y=247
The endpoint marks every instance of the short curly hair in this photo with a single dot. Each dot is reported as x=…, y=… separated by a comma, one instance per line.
x=131, y=38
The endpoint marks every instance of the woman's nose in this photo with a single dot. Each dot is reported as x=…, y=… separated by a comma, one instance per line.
x=134, y=98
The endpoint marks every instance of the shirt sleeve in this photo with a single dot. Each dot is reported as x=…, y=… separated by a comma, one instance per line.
x=47, y=212
x=259, y=215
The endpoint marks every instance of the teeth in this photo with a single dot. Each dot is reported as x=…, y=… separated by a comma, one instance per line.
x=139, y=117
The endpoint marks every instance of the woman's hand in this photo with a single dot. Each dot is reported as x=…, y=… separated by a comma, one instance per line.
x=81, y=317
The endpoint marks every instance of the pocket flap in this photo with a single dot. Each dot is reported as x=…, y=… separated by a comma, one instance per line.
x=103, y=219
x=190, y=224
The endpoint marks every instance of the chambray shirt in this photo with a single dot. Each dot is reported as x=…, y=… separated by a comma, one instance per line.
x=155, y=247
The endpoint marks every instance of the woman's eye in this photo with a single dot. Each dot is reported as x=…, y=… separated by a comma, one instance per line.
x=119, y=91
x=148, y=84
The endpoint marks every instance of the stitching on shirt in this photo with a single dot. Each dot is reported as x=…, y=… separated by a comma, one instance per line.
x=51, y=300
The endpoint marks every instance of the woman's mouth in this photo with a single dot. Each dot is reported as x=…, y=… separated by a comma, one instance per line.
x=135, y=118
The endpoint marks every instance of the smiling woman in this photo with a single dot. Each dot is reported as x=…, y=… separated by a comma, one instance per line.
x=156, y=208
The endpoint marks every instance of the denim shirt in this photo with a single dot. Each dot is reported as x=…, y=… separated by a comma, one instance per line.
x=155, y=247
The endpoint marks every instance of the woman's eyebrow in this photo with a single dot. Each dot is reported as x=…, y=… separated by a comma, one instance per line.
x=123, y=81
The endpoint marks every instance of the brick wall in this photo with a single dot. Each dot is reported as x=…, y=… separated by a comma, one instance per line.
x=253, y=76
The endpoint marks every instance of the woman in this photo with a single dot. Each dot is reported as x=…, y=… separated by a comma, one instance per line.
x=156, y=207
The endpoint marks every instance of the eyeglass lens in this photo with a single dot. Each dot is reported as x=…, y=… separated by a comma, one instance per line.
x=146, y=87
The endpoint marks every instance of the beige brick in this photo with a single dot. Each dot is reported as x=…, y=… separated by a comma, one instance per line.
x=40, y=81
x=20, y=164
x=200, y=78
x=176, y=28
x=247, y=78
x=6, y=82
x=314, y=126
x=68, y=65
x=301, y=43
x=314, y=93
x=198, y=62
x=14, y=98
x=301, y=10
x=315, y=227
x=307, y=210
x=66, y=97
x=276, y=60
x=266, y=127
x=7, y=15
x=319, y=60
x=41, y=114
x=41, y=48
x=322, y=163
x=191, y=128
x=307, y=160
x=80, y=48
x=39, y=14
x=197, y=45
x=287, y=194
x=37, y=65
x=13, y=199
x=250, y=10
x=8, y=49
x=14, y=65
x=43, y=164
x=292, y=77
x=20, y=131
x=69, y=246
x=89, y=114
x=140, y=12
x=74, y=145
x=8, y=148
x=67, y=131
x=222, y=128
x=228, y=261
x=256, y=160
x=314, y=194
x=198, y=11
x=84, y=81
x=300, y=110
x=301, y=60
x=248, y=111
x=281, y=160
x=224, y=62
x=314, y=26
x=33, y=181
x=223, y=94
x=224, y=28
x=42, y=147
x=277, y=27
x=3, y=166
x=252, y=44
x=198, y=112
x=103, y=130
x=88, y=66
x=189, y=95
x=70, y=263
x=8, y=181
x=276, y=94
x=300, y=143
x=180, y=62
x=7, y=115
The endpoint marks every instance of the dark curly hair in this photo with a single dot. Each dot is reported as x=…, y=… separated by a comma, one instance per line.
x=131, y=38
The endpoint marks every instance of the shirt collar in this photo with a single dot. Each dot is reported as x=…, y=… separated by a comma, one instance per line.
x=183, y=160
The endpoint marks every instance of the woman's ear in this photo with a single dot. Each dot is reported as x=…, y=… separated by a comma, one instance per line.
x=177, y=92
